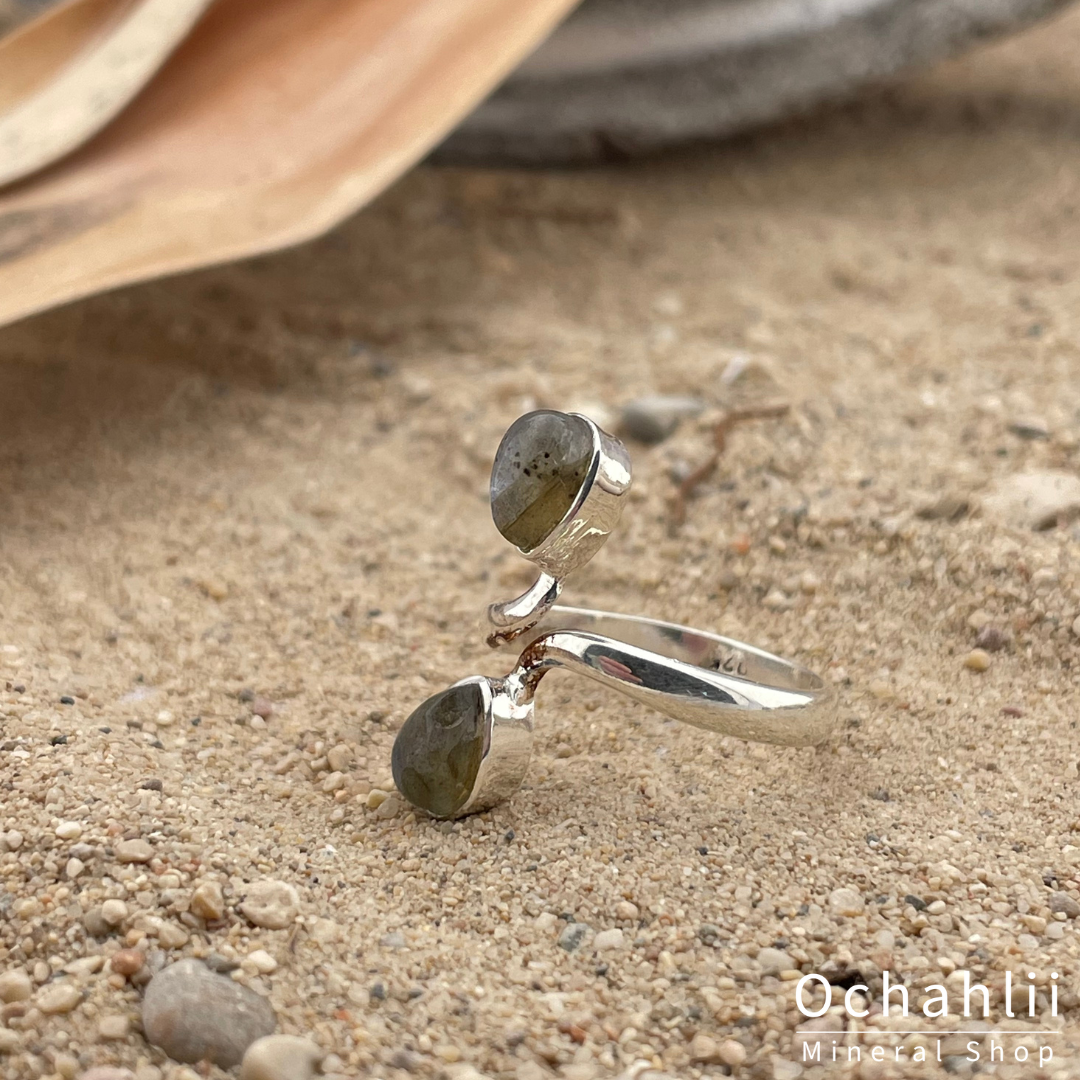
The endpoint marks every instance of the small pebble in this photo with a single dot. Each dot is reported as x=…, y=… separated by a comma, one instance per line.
x=107, y=1072
x=651, y=420
x=215, y=588
x=785, y=1069
x=262, y=961
x=977, y=660
x=704, y=1049
x=221, y=964
x=208, y=901
x=262, y=708
x=773, y=961
x=339, y=758
x=66, y=1065
x=171, y=936
x=731, y=1053
x=127, y=962
x=58, y=997
x=83, y=966
x=281, y=1057
x=846, y=902
x=626, y=911
x=325, y=931
x=134, y=851
x=114, y=1027
x=10, y=1041
x=608, y=940
x=15, y=985
x=193, y=1014
x=114, y=912
x=992, y=639
x=95, y=923
x=572, y=937
x=271, y=904
x=69, y=830
x=1059, y=902
x=1030, y=427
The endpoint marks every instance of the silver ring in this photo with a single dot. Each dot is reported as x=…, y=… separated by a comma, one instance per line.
x=558, y=484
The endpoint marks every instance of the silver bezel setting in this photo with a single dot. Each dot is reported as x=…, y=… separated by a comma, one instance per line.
x=580, y=534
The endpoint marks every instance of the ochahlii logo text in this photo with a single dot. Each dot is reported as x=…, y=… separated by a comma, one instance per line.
x=934, y=1004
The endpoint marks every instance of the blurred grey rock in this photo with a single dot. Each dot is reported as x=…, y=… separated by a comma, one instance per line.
x=573, y=936
x=652, y=419
x=195, y=1015
x=625, y=77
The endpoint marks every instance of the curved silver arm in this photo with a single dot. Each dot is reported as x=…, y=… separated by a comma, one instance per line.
x=513, y=618
x=712, y=682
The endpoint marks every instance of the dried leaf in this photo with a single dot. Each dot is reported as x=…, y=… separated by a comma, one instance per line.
x=67, y=74
x=270, y=123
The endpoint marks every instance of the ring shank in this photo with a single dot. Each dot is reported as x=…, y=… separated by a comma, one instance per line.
x=713, y=682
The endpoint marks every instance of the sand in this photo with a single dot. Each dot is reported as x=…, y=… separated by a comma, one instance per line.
x=255, y=497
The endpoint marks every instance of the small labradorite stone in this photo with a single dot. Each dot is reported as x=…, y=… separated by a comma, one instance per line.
x=539, y=468
x=438, y=751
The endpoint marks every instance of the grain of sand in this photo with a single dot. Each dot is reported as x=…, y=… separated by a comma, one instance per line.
x=243, y=528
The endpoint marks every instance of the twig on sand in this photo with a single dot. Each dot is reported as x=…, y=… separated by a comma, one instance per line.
x=688, y=486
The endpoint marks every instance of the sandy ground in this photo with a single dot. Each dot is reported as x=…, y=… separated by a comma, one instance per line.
x=266, y=485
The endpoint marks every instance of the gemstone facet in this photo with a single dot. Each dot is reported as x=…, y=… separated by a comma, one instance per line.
x=438, y=750
x=540, y=466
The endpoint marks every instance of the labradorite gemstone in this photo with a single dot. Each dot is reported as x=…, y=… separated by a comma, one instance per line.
x=539, y=468
x=438, y=750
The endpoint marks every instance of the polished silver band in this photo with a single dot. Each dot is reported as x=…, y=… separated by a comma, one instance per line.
x=712, y=682
x=700, y=678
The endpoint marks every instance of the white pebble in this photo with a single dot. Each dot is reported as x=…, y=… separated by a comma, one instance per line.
x=114, y=1027
x=273, y=905
x=15, y=986
x=134, y=851
x=609, y=939
x=731, y=1052
x=114, y=912
x=846, y=902
x=58, y=997
x=69, y=830
x=262, y=961
x=281, y=1057
x=773, y=961
x=333, y=782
